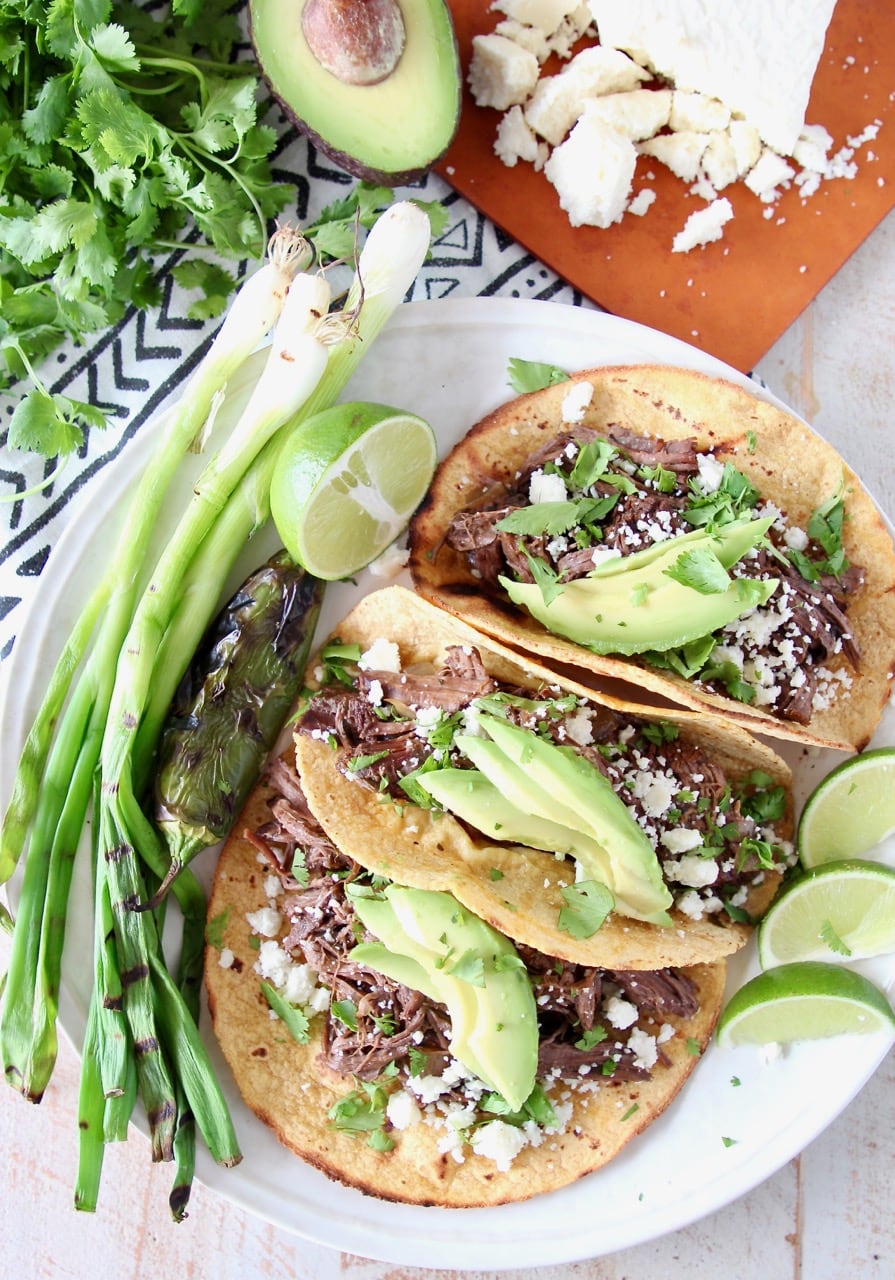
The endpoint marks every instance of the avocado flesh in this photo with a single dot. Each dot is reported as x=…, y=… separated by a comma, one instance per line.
x=555, y=782
x=729, y=543
x=494, y=1026
x=469, y=795
x=645, y=610
x=391, y=132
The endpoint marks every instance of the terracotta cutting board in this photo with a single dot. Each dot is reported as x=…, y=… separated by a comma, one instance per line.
x=732, y=298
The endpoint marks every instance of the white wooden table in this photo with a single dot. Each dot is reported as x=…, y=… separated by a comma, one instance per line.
x=828, y=1215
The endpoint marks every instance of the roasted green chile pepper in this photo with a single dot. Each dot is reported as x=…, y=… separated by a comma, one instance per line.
x=231, y=705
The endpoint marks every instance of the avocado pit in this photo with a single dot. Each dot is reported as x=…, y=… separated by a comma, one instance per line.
x=358, y=41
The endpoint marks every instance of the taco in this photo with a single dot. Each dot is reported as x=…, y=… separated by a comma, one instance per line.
x=654, y=525
x=443, y=760
x=361, y=1075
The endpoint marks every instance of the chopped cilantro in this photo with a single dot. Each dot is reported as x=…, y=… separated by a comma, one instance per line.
x=358, y=763
x=693, y=1047
x=735, y=1081
x=734, y=497
x=361, y=1111
x=345, y=1011
x=730, y=1142
x=533, y=375
x=495, y=873
x=592, y=1036
x=537, y=1107
x=295, y=1022
x=590, y=466
x=299, y=870
x=634, y=1107
x=469, y=968
x=701, y=570
x=418, y=1062
x=214, y=929
x=587, y=903
x=832, y=939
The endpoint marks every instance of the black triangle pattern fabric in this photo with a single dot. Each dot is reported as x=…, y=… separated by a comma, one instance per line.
x=134, y=370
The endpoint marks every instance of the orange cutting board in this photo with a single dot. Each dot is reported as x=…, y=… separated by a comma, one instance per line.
x=734, y=297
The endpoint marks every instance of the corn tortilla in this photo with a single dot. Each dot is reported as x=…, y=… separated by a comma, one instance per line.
x=291, y=1090
x=429, y=850
x=786, y=461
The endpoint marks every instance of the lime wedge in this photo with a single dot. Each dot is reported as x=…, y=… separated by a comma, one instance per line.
x=806, y=1000
x=347, y=482
x=851, y=810
x=839, y=911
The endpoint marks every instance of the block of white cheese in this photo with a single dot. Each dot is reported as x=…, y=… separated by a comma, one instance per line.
x=756, y=56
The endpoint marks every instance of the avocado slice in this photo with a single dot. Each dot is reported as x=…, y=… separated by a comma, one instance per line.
x=470, y=795
x=641, y=610
x=315, y=56
x=555, y=782
x=476, y=972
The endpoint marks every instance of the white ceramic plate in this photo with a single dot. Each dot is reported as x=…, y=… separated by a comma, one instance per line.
x=737, y=1120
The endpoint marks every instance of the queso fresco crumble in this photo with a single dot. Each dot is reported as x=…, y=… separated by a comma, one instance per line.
x=587, y=125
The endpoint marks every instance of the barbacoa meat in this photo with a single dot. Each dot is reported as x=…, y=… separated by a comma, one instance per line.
x=817, y=626
x=392, y=1020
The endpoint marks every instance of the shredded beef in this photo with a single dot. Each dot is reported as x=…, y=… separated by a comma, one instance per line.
x=392, y=1020
x=817, y=628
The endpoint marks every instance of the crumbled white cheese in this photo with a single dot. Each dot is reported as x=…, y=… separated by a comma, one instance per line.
x=515, y=141
x=644, y=1048
x=546, y=486
x=501, y=72
x=266, y=921
x=679, y=152
x=592, y=173
x=576, y=401
x=390, y=562
x=226, y=958
x=498, y=1141
x=697, y=112
x=703, y=226
x=558, y=101
x=719, y=160
x=544, y=14
x=638, y=114
x=580, y=728
x=711, y=472
x=620, y=1013
x=402, y=1110
x=693, y=871
x=382, y=655
x=644, y=200
x=768, y=175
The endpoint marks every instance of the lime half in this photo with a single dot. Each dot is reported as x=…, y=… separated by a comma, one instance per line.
x=807, y=1000
x=839, y=911
x=851, y=810
x=347, y=482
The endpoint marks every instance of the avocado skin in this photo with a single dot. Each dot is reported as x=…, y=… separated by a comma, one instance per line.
x=391, y=175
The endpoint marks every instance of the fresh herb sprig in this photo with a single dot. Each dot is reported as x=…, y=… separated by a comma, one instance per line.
x=125, y=133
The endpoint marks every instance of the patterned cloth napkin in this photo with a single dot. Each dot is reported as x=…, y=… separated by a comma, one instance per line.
x=133, y=371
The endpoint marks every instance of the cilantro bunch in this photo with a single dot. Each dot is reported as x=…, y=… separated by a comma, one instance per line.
x=124, y=133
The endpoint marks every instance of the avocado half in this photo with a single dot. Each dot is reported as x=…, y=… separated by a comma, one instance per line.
x=391, y=131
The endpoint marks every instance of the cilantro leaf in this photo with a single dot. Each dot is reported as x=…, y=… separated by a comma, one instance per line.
x=294, y=1020
x=587, y=903
x=832, y=939
x=700, y=569
x=552, y=518
x=533, y=375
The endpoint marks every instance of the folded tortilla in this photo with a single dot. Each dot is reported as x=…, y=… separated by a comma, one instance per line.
x=288, y=1086
x=787, y=462
x=516, y=889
